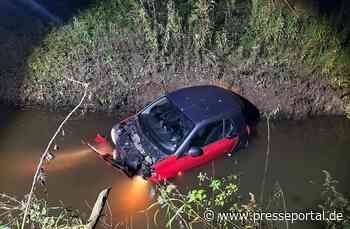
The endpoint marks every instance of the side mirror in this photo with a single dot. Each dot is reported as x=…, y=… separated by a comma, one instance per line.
x=195, y=152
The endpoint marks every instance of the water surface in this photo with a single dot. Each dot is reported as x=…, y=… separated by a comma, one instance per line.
x=300, y=150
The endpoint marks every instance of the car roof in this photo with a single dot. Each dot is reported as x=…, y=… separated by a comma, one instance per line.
x=202, y=103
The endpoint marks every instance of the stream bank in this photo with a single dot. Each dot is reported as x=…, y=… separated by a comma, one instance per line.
x=129, y=56
x=268, y=87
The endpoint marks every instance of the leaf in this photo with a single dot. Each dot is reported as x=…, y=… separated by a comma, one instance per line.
x=4, y=227
x=196, y=195
x=215, y=185
x=202, y=177
x=43, y=211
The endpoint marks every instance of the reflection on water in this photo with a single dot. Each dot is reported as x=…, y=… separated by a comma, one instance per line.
x=299, y=151
x=68, y=159
x=64, y=160
x=132, y=195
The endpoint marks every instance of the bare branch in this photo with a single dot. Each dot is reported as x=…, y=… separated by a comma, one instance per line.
x=43, y=156
x=267, y=159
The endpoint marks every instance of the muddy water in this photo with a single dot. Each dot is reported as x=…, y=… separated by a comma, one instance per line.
x=300, y=151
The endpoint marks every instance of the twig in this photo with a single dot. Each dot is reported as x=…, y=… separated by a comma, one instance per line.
x=291, y=8
x=284, y=204
x=77, y=82
x=110, y=214
x=266, y=160
x=2, y=195
x=42, y=159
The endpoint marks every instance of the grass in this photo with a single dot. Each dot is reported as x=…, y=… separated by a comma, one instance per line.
x=163, y=29
x=190, y=208
x=41, y=215
x=130, y=42
x=334, y=201
x=312, y=41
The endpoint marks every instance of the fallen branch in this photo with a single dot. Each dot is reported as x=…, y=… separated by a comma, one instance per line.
x=97, y=209
x=43, y=156
x=267, y=159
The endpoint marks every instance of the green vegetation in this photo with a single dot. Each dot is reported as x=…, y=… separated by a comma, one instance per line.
x=309, y=40
x=190, y=208
x=41, y=215
x=334, y=201
x=158, y=29
x=128, y=42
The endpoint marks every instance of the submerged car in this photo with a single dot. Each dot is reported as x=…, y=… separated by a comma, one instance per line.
x=181, y=130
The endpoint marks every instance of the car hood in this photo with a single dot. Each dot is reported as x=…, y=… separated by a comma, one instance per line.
x=134, y=150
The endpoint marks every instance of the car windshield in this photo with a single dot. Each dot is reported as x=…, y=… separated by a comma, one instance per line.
x=165, y=124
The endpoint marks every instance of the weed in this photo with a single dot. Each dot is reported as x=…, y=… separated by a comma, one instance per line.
x=41, y=215
x=334, y=201
x=131, y=42
x=189, y=208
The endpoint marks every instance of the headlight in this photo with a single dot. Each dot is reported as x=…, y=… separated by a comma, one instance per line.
x=114, y=136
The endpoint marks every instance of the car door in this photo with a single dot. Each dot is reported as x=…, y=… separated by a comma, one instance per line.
x=220, y=144
x=213, y=142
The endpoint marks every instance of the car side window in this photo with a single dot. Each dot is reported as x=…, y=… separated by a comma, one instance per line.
x=230, y=128
x=208, y=134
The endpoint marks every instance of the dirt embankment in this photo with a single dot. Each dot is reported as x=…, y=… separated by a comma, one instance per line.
x=266, y=86
x=296, y=97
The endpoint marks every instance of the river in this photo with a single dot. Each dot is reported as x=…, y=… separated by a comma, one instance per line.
x=300, y=150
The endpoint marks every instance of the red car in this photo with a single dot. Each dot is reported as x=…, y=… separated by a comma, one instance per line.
x=181, y=130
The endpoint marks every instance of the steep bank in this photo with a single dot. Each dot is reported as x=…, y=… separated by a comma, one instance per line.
x=131, y=52
x=267, y=86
